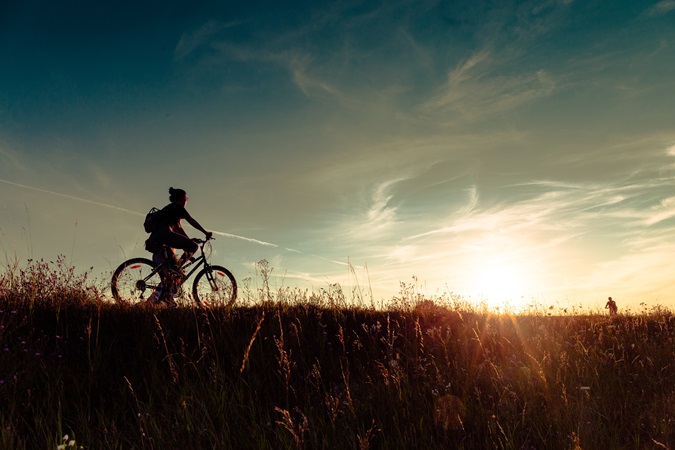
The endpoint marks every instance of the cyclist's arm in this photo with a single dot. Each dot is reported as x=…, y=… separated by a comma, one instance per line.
x=179, y=230
x=196, y=224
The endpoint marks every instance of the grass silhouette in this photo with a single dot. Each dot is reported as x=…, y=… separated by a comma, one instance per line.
x=297, y=369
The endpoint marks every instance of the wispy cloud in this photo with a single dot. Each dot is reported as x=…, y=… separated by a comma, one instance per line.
x=203, y=36
x=308, y=83
x=472, y=94
x=297, y=62
x=381, y=213
x=663, y=211
x=661, y=8
x=641, y=273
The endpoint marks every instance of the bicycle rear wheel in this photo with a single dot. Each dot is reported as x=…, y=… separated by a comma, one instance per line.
x=134, y=281
x=214, y=286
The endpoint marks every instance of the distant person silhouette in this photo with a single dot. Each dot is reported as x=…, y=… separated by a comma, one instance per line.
x=611, y=305
x=170, y=232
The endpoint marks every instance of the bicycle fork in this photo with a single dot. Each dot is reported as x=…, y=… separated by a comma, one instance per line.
x=212, y=279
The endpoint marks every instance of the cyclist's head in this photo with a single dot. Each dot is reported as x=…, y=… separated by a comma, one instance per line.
x=177, y=195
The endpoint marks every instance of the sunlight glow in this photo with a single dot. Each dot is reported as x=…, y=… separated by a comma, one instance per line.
x=501, y=283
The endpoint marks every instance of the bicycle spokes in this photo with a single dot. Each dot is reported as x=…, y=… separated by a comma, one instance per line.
x=215, y=286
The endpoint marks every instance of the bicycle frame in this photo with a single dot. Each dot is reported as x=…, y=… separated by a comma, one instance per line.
x=194, y=263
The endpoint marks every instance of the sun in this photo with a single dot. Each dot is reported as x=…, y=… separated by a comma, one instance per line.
x=501, y=283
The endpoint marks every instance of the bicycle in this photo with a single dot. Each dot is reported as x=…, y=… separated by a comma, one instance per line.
x=213, y=286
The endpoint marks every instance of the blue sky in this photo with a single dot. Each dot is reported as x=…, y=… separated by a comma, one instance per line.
x=521, y=150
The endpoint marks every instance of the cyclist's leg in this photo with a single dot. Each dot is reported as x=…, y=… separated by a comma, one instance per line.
x=171, y=274
x=175, y=240
x=166, y=258
x=170, y=241
x=159, y=258
x=184, y=257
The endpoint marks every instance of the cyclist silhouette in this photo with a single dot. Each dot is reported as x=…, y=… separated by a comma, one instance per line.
x=170, y=233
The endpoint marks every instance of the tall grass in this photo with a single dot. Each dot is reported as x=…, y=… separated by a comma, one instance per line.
x=298, y=369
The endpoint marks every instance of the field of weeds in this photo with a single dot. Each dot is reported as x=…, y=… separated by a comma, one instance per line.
x=306, y=370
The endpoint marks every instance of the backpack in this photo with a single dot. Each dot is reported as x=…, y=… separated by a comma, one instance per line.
x=152, y=220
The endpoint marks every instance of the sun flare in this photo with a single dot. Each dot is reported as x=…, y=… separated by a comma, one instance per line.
x=500, y=284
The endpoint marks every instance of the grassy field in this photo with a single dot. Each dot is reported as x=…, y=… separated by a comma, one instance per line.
x=296, y=369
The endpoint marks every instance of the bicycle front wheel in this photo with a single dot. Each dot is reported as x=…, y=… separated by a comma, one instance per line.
x=214, y=286
x=134, y=281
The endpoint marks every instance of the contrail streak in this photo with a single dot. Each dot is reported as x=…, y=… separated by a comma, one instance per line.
x=255, y=241
x=71, y=197
x=332, y=261
x=128, y=211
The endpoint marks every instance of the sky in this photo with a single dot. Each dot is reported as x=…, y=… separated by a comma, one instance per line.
x=509, y=151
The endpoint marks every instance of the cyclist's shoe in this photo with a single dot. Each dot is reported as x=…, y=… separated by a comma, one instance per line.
x=156, y=297
x=185, y=259
x=173, y=291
